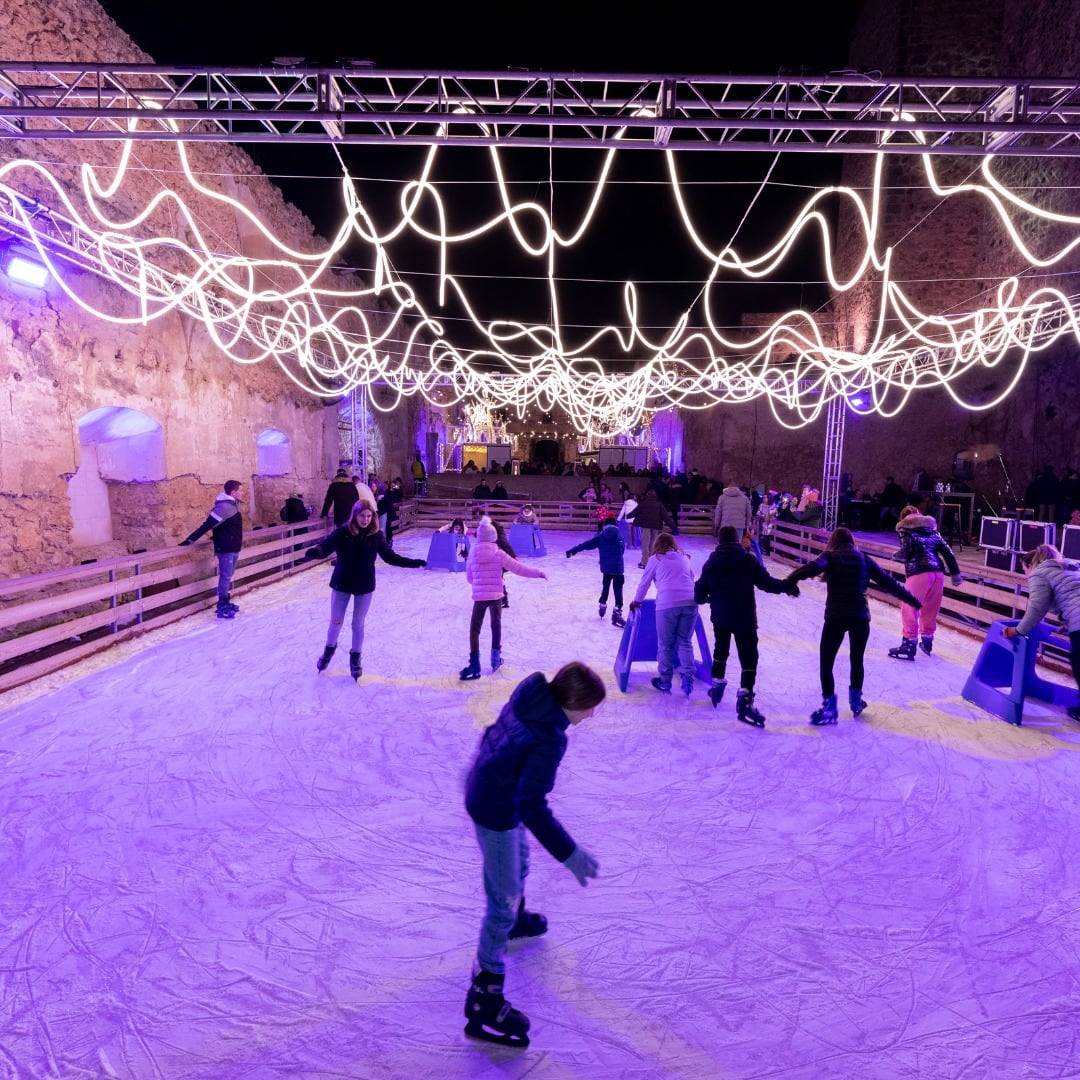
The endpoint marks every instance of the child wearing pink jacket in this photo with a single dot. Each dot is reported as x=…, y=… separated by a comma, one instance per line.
x=484, y=570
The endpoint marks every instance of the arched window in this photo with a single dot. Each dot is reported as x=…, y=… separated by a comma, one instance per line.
x=273, y=453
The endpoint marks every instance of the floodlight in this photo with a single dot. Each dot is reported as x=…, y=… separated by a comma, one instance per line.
x=23, y=265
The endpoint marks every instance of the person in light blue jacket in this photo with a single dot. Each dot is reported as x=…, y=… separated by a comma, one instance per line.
x=1053, y=584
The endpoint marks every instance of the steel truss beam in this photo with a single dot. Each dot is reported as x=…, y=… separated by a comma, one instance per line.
x=843, y=112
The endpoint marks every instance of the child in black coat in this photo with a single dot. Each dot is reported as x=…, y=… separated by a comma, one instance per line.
x=505, y=795
x=728, y=580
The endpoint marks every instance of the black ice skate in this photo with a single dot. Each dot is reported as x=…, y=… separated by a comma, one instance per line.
x=745, y=711
x=827, y=713
x=528, y=923
x=617, y=617
x=716, y=691
x=904, y=651
x=602, y=609
x=856, y=701
x=926, y=643
x=472, y=669
x=327, y=655
x=354, y=665
x=489, y=1016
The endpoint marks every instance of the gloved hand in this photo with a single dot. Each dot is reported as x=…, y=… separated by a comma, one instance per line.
x=569, y=553
x=792, y=588
x=957, y=580
x=421, y=563
x=185, y=543
x=310, y=553
x=634, y=605
x=582, y=865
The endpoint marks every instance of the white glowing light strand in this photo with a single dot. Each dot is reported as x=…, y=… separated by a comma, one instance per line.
x=340, y=344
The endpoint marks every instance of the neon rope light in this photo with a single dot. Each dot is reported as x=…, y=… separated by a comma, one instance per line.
x=329, y=337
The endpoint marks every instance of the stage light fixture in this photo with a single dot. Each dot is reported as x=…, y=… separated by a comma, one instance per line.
x=23, y=265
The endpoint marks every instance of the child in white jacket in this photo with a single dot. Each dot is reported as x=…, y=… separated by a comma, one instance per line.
x=483, y=571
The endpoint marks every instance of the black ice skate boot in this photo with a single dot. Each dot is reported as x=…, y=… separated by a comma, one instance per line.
x=224, y=610
x=827, y=713
x=506, y=598
x=496, y=660
x=855, y=700
x=617, y=617
x=745, y=711
x=602, y=609
x=327, y=655
x=1073, y=712
x=489, y=1016
x=663, y=685
x=354, y=665
x=229, y=603
x=716, y=691
x=528, y=923
x=904, y=651
x=472, y=670
x=926, y=643
x=687, y=684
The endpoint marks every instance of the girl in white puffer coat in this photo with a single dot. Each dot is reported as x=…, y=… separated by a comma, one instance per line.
x=483, y=571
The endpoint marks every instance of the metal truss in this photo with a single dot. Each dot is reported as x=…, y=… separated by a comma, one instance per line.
x=845, y=112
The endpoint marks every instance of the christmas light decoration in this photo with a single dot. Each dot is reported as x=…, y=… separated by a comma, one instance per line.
x=331, y=333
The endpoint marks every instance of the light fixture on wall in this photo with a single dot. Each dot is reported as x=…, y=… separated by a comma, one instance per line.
x=23, y=265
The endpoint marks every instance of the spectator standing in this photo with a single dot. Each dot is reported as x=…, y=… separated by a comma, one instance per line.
x=227, y=526
x=341, y=496
x=652, y=517
x=733, y=508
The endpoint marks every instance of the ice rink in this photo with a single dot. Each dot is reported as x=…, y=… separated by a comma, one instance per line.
x=219, y=864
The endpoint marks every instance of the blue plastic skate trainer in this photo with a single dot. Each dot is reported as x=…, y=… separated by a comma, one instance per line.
x=1004, y=673
x=639, y=643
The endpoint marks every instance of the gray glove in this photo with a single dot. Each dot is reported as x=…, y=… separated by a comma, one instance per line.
x=957, y=580
x=582, y=865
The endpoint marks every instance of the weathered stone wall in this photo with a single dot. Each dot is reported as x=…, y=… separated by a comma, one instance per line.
x=949, y=259
x=58, y=362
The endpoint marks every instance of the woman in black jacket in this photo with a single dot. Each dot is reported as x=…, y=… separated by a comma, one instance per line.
x=356, y=544
x=847, y=572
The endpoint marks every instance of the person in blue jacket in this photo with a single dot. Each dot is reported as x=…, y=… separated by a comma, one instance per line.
x=356, y=543
x=505, y=795
x=609, y=545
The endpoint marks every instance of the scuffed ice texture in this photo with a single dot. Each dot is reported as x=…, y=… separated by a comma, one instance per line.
x=218, y=864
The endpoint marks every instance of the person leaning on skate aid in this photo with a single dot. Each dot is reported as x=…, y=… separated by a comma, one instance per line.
x=505, y=795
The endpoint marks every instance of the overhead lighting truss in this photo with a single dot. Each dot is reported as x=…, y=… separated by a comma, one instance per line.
x=842, y=112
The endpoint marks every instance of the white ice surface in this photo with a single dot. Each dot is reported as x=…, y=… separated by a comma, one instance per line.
x=218, y=864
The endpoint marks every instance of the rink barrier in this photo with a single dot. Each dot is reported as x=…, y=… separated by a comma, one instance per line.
x=638, y=644
x=50, y=620
x=1004, y=673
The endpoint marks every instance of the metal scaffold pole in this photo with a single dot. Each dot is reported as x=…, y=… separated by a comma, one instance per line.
x=834, y=452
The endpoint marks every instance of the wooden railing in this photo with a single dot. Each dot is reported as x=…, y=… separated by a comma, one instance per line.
x=50, y=620
x=983, y=598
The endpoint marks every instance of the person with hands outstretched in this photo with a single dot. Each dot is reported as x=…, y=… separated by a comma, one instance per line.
x=506, y=797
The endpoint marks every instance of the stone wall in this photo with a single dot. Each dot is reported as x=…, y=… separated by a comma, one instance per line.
x=58, y=362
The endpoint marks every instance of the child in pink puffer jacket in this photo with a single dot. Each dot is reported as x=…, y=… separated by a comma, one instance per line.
x=484, y=571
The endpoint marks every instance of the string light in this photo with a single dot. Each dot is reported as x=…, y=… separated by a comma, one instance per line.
x=329, y=336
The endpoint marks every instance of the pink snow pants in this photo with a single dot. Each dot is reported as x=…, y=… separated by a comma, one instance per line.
x=928, y=589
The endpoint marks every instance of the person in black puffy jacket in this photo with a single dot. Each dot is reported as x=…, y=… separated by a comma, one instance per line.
x=505, y=795
x=356, y=544
x=848, y=573
x=927, y=558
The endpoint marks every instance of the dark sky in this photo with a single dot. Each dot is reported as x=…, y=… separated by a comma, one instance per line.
x=637, y=235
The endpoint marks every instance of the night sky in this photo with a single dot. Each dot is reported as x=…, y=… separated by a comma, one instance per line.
x=637, y=235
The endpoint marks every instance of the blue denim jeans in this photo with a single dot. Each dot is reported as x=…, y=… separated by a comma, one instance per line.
x=339, y=603
x=506, y=865
x=674, y=627
x=226, y=567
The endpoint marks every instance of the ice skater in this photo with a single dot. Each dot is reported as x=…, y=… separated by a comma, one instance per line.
x=926, y=558
x=228, y=536
x=676, y=611
x=356, y=543
x=847, y=572
x=609, y=545
x=483, y=571
x=728, y=579
x=505, y=795
x=1052, y=584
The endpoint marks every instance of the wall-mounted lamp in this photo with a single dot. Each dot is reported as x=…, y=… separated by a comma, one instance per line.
x=23, y=265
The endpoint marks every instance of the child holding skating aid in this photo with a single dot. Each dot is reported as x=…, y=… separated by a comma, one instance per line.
x=505, y=794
